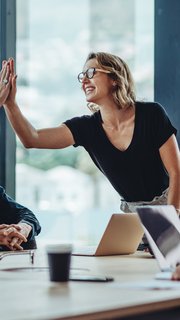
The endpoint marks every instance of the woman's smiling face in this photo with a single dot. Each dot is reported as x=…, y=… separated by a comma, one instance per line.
x=99, y=87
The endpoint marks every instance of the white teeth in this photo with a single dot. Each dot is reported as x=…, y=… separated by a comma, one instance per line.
x=89, y=89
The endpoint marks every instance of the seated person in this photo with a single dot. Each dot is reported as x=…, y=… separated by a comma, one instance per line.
x=18, y=225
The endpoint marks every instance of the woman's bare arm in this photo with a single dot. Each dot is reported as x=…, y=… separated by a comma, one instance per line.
x=48, y=138
x=170, y=156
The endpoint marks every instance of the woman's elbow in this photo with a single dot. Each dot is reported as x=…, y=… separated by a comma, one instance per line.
x=28, y=144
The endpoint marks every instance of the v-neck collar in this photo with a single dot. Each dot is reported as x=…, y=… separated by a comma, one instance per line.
x=99, y=119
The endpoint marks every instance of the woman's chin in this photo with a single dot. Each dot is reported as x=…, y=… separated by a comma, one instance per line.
x=90, y=100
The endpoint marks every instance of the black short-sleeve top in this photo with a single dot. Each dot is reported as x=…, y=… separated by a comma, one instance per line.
x=136, y=173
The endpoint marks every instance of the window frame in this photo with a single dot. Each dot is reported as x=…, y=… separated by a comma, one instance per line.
x=7, y=137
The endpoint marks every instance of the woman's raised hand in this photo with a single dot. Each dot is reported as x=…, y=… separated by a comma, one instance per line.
x=12, y=81
x=5, y=81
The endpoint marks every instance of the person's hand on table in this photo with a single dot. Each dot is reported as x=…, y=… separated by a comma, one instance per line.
x=12, y=236
x=24, y=230
x=176, y=273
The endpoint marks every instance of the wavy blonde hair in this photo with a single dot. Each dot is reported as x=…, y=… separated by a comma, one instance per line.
x=123, y=92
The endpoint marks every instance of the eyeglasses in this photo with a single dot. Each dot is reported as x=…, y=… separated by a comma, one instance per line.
x=89, y=73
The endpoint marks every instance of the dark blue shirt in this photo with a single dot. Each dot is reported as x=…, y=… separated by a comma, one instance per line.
x=13, y=212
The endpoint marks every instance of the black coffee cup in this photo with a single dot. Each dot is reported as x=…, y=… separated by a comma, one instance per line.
x=59, y=260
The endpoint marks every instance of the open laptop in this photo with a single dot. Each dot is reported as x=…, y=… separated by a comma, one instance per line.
x=121, y=236
x=162, y=229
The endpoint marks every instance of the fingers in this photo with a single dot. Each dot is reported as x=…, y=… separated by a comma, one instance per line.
x=13, y=77
x=5, y=241
x=9, y=230
x=15, y=242
x=3, y=63
x=17, y=226
x=1, y=69
x=11, y=64
x=11, y=237
x=3, y=226
x=3, y=229
x=7, y=82
x=15, y=247
x=7, y=73
x=4, y=69
x=12, y=232
x=25, y=229
x=7, y=69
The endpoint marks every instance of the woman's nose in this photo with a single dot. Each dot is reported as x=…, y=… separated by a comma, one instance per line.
x=85, y=78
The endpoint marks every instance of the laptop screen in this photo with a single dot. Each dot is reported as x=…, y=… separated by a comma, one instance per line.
x=162, y=229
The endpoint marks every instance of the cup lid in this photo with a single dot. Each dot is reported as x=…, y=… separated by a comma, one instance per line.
x=59, y=247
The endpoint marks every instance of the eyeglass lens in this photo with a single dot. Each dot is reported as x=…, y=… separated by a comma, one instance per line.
x=89, y=73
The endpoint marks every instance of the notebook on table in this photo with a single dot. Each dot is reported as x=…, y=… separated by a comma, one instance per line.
x=121, y=236
x=162, y=228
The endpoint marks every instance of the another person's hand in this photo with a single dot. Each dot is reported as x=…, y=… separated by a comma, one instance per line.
x=5, y=81
x=12, y=93
x=10, y=232
x=176, y=273
x=24, y=229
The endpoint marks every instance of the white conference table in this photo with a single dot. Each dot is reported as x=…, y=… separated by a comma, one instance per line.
x=27, y=294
